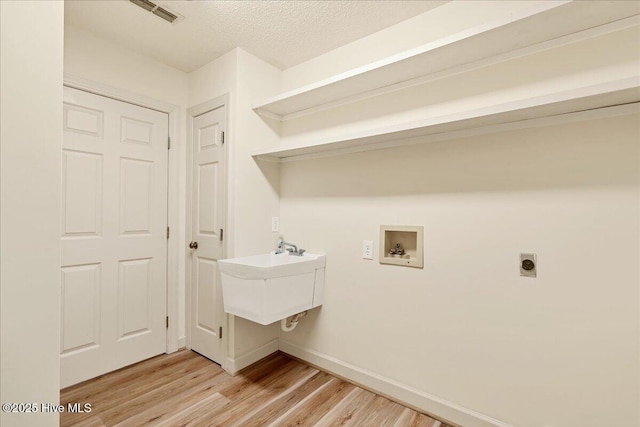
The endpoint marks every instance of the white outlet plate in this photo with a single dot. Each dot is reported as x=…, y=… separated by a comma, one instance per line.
x=275, y=224
x=367, y=249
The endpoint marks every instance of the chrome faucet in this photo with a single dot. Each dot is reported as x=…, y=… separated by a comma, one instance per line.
x=292, y=249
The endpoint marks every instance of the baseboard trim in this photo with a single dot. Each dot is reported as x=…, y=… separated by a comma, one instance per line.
x=182, y=342
x=234, y=366
x=395, y=390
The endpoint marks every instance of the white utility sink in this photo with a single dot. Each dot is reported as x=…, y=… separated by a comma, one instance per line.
x=269, y=287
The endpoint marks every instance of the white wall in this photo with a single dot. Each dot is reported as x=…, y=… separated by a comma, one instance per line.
x=253, y=189
x=467, y=332
x=92, y=58
x=31, y=132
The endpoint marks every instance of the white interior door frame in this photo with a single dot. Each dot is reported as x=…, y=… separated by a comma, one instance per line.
x=174, y=246
x=196, y=110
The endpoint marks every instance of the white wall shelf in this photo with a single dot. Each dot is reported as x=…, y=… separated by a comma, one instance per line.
x=617, y=97
x=544, y=26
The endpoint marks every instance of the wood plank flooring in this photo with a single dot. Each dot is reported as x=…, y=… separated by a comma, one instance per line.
x=186, y=389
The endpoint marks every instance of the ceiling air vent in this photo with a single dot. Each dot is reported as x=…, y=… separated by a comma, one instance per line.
x=158, y=10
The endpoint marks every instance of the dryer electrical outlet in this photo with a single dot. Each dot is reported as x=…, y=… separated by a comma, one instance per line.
x=528, y=265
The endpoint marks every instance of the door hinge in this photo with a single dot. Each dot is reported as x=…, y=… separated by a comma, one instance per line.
x=222, y=137
x=220, y=332
x=169, y=143
x=221, y=234
x=167, y=232
x=167, y=322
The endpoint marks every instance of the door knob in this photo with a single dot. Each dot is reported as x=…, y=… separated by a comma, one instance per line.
x=193, y=245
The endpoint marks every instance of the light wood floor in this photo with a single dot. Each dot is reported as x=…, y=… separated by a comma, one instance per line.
x=186, y=389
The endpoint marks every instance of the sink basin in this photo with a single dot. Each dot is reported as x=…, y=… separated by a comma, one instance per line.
x=269, y=287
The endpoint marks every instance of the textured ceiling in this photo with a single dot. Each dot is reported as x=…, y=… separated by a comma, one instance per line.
x=283, y=33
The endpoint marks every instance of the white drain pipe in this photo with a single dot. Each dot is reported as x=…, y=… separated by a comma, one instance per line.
x=294, y=322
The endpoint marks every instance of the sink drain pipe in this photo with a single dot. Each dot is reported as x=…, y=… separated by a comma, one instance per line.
x=294, y=322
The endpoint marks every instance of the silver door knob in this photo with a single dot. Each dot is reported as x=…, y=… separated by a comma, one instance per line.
x=193, y=245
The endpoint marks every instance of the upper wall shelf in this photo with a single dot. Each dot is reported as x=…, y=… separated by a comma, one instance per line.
x=606, y=99
x=544, y=26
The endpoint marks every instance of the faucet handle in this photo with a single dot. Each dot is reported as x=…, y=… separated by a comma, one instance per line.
x=301, y=251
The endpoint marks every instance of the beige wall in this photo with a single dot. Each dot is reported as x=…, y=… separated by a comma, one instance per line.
x=467, y=331
x=97, y=60
x=411, y=33
x=467, y=327
x=606, y=58
x=94, y=58
x=214, y=79
x=31, y=44
x=244, y=78
x=255, y=190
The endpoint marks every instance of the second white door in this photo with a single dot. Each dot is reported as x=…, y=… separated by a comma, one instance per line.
x=207, y=232
x=114, y=235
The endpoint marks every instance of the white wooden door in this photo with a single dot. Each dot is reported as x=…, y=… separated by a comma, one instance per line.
x=114, y=235
x=207, y=220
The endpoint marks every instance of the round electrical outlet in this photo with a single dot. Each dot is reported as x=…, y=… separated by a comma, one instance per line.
x=528, y=265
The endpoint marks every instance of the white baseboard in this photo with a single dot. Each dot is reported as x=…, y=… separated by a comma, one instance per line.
x=233, y=366
x=182, y=342
x=402, y=393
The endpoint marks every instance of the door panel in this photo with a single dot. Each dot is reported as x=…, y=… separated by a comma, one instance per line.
x=136, y=189
x=134, y=293
x=113, y=235
x=208, y=223
x=205, y=317
x=82, y=120
x=81, y=321
x=207, y=169
x=136, y=131
x=82, y=196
